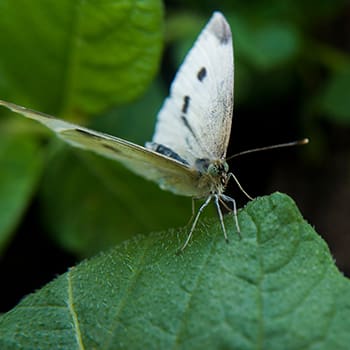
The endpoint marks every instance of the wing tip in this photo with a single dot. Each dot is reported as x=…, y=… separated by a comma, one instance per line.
x=219, y=26
x=12, y=106
x=26, y=112
x=4, y=103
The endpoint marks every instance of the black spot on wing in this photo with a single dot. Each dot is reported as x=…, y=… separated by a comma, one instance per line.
x=186, y=104
x=225, y=39
x=101, y=141
x=222, y=31
x=166, y=151
x=202, y=73
x=110, y=147
x=188, y=126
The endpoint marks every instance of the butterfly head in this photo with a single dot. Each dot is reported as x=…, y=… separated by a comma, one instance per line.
x=218, y=168
x=215, y=173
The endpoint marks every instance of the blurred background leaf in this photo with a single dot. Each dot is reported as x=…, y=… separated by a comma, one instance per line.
x=336, y=99
x=87, y=56
x=93, y=64
x=21, y=161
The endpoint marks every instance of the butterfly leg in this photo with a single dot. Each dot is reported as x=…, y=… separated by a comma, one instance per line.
x=195, y=223
x=221, y=217
x=193, y=211
x=231, y=200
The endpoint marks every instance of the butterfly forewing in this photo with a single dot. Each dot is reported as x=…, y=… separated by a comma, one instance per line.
x=195, y=120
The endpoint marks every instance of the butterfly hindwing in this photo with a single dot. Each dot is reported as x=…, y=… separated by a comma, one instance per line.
x=195, y=120
x=169, y=173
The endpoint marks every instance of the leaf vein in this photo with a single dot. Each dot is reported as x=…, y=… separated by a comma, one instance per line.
x=73, y=312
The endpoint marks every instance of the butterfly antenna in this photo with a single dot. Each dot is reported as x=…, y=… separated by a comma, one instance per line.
x=281, y=145
x=239, y=185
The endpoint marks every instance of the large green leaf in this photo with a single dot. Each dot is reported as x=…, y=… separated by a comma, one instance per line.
x=67, y=56
x=277, y=288
x=21, y=162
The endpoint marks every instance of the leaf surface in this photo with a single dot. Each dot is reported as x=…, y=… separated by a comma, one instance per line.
x=276, y=288
x=78, y=57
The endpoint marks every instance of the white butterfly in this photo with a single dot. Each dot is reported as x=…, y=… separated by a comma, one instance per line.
x=187, y=155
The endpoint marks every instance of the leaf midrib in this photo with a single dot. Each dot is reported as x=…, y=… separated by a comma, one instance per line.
x=73, y=312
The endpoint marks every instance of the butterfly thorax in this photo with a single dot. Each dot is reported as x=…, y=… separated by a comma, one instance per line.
x=214, y=174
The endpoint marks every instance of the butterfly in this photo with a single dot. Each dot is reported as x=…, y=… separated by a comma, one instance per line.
x=187, y=154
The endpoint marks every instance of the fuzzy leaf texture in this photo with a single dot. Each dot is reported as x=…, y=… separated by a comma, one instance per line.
x=276, y=288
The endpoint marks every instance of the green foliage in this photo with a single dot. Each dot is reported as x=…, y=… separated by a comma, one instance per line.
x=77, y=59
x=277, y=288
x=21, y=161
x=87, y=55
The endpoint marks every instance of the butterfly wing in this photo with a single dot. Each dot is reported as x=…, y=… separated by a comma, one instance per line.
x=169, y=173
x=195, y=120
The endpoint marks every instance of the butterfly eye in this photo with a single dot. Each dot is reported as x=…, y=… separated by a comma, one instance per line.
x=226, y=167
x=213, y=170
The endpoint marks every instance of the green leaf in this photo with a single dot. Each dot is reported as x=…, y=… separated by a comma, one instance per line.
x=277, y=288
x=134, y=122
x=76, y=57
x=21, y=163
x=335, y=101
